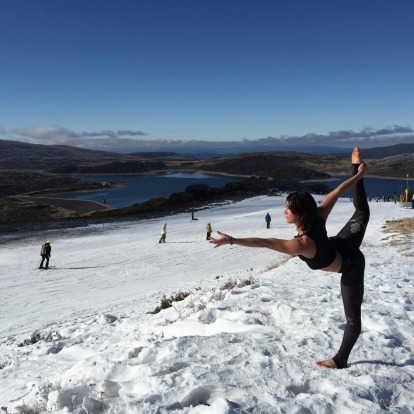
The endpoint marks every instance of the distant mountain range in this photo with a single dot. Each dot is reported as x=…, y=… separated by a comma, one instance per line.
x=27, y=168
x=382, y=152
x=395, y=160
x=371, y=153
x=23, y=150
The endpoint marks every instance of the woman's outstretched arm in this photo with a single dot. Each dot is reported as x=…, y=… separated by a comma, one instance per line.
x=328, y=203
x=301, y=245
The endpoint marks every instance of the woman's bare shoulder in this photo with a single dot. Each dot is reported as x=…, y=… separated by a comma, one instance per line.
x=307, y=246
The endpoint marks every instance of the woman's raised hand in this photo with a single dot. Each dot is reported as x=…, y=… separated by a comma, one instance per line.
x=224, y=239
x=362, y=167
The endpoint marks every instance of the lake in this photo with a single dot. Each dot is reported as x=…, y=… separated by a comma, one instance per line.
x=375, y=187
x=139, y=188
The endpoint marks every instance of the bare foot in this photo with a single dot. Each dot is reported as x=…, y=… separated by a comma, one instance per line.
x=356, y=157
x=327, y=363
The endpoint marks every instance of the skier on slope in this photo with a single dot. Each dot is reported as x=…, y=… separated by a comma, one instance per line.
x=163, y=233
x=268, y=219
x=46, y=253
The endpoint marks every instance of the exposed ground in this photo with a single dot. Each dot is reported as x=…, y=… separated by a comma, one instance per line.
x=400, y=233
x=401, y=226
x=69, y=206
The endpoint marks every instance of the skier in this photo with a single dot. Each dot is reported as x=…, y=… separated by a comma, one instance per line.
x=163, y=233
x=45, y=252
x=340, y=254
x=268, y=219
x=209, y=230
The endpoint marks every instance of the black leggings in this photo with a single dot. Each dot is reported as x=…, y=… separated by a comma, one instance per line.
x=347, y=242
x=45, y=257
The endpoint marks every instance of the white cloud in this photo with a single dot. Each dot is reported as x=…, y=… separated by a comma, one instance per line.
x=130, y=141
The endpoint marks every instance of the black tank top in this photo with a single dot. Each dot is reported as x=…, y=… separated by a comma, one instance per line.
x=325, y=250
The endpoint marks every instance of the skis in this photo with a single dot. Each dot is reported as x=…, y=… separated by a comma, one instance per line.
x=43, y=268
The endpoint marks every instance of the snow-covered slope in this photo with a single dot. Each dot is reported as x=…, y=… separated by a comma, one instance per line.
x=251, y=349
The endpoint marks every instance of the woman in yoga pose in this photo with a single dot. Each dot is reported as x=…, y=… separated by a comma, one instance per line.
x=339, y=254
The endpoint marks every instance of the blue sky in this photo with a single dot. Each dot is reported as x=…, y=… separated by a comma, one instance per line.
x=139, y=73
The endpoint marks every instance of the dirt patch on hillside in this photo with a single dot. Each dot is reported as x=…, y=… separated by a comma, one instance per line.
x=401, y=234
x=28, y=214
x=79, y=207
x=402, y=226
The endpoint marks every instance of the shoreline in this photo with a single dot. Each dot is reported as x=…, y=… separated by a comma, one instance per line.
x=76, y=212
x=380, y=177
x=79, y=206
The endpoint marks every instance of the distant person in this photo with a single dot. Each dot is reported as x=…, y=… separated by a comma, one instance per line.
x=339, y=254
x=268, y=219
x=208, y=230
x=163, y=233
x=45, y=252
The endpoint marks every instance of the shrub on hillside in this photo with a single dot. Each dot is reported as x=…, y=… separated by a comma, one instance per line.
x=167, y=302
x=180, y=198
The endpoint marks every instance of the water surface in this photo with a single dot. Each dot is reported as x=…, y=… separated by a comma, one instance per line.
x=376, y=187
x=140, y=188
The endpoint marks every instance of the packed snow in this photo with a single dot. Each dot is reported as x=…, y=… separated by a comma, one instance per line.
x=245, y=339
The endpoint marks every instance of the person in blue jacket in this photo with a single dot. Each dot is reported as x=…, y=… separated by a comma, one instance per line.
x=268, y=219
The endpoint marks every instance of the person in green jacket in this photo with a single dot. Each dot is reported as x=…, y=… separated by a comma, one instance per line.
x=209, y=230
x=46, y=253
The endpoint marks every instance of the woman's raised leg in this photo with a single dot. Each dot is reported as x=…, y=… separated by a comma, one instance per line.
x=355, y=228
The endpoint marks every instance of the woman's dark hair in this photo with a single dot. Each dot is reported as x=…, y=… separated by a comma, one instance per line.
x=302, y=204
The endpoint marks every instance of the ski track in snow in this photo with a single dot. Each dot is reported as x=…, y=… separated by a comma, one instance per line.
x=251, y=349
